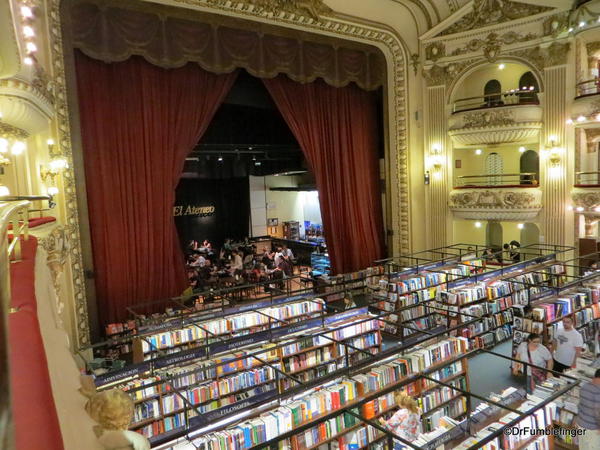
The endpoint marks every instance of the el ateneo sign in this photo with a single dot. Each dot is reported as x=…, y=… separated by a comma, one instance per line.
x=191, y=210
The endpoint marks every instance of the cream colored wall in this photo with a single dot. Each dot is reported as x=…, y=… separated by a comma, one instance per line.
x=473, y=84
x=284, y=206
x=473, y=164
x=465, y=231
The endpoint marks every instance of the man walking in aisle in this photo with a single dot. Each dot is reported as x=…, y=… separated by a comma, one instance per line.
x=568, y=345
x=588, y=414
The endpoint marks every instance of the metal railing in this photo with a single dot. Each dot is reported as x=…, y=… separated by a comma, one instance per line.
x=510, y=98
x=13, y=216
x=588, y=87
x=525, y=179
x=587, y=178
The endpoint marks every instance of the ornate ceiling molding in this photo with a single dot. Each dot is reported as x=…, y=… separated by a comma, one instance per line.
x=26, y=105
x=12, y=132
x=298, y=14
x=496, y=204
x=493, y=43
x=555, y=54
x=438, y=75
x=587, y=198
x=492, y=12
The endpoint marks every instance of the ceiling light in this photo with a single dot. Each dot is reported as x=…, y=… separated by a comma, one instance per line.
x=581, y=24
x=478, y=151
x=28, y=31
x=220, y=159
x=3, y=145
x=501, y=66
x=581, y=119
x=597, y=209
x=28, y=60
x=520, y=226
x=52, y=190
x=18, y=147
x=58, y=164
x=4, y=191
x=477, y=224
x=569, y=121
x=31, y=47
x=522, y=149
x=579, y=209
x=26, y=12
x=257, y=163
x=570, y=29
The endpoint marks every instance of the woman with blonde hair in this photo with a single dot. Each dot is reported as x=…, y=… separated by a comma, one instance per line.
x=406, y=422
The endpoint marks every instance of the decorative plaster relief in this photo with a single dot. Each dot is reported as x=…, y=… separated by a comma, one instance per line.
x=496, y=204
x=56, y=244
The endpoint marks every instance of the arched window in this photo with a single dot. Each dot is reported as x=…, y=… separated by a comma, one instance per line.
x=528, y=83
x=494, y=166
x=529, y=163
x=492, y=92
x=493, y=235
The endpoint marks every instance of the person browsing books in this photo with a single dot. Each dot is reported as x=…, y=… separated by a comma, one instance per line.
x=406, y=422
x=568, y=345
x=349, y=302
x=588, y=415
x=534, y=352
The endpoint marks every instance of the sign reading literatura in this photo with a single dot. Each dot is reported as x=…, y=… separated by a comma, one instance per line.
x=191, y=210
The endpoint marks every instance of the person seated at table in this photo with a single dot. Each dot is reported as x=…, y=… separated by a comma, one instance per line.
x=237, y=265
x=193, y=245
x=206, y=246
x=267, y=257
x=249, y=261
x=286, y=265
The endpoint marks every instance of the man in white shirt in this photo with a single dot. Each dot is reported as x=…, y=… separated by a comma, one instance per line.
x=278, y=257
x=287, y=252
x=199, y=261
x=568, y=345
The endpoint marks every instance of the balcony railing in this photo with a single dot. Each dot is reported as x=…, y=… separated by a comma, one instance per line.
x=503, y=180
x=589, y=179
x=588, y=87
x=514, y=97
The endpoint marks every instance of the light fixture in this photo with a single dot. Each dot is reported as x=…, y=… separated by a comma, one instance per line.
x=581, y=119
x=58, y=164
x=4, y=191
x=435, y=162
x=478, y=151
x=18, y=147
x=52, y=190
x=26, y=12
x=437, y=148
x=579, y=209
x=597, y=209
x=570, y=29
x=3, y=145
x=598, y=117
x=569, y=121
x=520, y=226
x=477, y=224
x=28, y=31
x=220, y=158
x=28, y=60
x=581, y=24
x=501, y=66
x=31, y=47
x=521, y=149
x=50, y=142
x=257, y=163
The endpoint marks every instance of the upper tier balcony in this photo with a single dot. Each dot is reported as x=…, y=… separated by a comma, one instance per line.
x=496, y=197
x=511, y=117
x=587, y=103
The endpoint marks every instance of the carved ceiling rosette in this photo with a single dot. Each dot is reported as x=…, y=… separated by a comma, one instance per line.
x=501, y=203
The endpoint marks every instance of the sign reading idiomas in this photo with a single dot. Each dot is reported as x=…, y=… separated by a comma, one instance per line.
x=191, y=210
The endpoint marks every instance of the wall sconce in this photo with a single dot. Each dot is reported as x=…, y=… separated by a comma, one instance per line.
x=12, y=139
x=436, y=162
x=554, y=153
x=49, y=173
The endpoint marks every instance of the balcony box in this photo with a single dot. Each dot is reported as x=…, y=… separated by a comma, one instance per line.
x=509, y=124
x=485, y=203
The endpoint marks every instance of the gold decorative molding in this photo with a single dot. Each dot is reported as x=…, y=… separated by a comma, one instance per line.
x=488, y=118
x=56, y=245
x=299, y=14
x=555, y=54
x=312, y=8
x=492, y=44
x=556, y=24
x=588, y=198
x=435, y=51
x=491, y=12
x=12, y=132
x=444, y=75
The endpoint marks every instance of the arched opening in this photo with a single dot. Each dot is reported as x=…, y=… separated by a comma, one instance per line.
x=530, y=234
x=529, y=88
x=529, y=163
x=494, y=166
x=493, y=236
x=492, y=92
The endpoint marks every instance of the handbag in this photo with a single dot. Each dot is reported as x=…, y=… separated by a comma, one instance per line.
x=538, y=376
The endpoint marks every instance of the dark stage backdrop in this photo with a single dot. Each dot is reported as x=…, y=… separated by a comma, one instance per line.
x=212, y=209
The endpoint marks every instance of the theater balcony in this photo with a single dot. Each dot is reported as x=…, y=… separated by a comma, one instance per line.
x=496, y=197
x=512, y=117
x=586, y=192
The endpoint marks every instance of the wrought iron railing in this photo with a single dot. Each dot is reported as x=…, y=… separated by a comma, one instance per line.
x=525, y=179
x=583, y=179
x=514, y=97
x=588, y=87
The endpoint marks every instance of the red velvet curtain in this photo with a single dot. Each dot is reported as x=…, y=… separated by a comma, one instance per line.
x=138, y=123
x=337, y=130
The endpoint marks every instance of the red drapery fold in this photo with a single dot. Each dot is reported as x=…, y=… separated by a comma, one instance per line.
x=138, y=123
x=336, y=128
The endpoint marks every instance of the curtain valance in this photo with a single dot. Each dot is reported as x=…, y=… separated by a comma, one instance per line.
x=165, y=38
